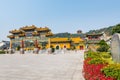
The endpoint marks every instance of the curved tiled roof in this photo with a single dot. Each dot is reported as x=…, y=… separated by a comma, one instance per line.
x=15, y=31
x=35, y=33
x=21, y=35
x=11, y=36
x=43, y=29
x=28, y=27
x=49, y=34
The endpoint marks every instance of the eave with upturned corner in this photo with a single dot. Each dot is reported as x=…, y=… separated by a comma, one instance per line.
x=49, y=34
x=15, y=31
x=11, y=36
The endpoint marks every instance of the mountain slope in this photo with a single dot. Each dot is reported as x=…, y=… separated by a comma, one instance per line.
x=107, y=30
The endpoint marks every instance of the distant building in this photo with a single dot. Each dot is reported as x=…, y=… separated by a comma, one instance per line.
x=29, y=34
x=94, y=38
x=4, y=44
x=68, y=43
x=79, y=31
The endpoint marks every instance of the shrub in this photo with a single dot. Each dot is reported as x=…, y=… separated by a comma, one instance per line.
x=18, y=48
x=95, y=66
x=91, y=54
x=103, y=46
x=68, y=49
x=97, y=61
x=102, y=42
x=105, y=55
x=93, y=71
x=2, y=52
x=112, y=70
x=98, y=55
x=116, y=29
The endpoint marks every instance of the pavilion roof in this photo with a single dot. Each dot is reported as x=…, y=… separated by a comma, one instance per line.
x=28, y=27
x=15, y=31
x=49, y=34
x=43, y=29
x=95, y=34
x=11, y=36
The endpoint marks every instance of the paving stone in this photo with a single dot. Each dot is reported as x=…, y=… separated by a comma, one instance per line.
x=41, y=66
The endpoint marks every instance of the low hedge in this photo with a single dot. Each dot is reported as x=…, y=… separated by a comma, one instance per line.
x=2, y=52
x=105, y=55
x=99, y=66
x=112, y=70
x=97, y=61
x=91, y=54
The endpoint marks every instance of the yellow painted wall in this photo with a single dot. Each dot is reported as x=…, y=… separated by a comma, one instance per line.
x=61, y=45
x=78, y=46
x=68, y=45
x=77, y=40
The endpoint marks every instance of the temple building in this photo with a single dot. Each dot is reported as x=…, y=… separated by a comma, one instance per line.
x=29, y=37
x=94, y=38
x=60, y=43
x=78, y=43
x=68, y=43
x=29, y=34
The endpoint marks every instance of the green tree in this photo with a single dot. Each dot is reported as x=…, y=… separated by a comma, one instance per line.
x=102, y=42
x=116, y=29
x=103, y=46
x=18, y=48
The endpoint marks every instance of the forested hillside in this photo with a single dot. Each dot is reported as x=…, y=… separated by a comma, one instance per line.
x=108, y=30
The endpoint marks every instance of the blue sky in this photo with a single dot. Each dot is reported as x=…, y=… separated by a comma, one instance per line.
x=58, y=15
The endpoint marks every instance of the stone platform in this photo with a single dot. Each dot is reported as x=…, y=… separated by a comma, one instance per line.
x=41, y=66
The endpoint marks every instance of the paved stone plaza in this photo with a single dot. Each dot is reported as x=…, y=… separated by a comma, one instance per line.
x=41, y=66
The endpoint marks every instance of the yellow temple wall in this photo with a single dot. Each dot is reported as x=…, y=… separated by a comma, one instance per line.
x=61, y=45
x=78, y=46
x=78, y=42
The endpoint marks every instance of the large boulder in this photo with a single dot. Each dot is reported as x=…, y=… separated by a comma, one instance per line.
x=115, y=47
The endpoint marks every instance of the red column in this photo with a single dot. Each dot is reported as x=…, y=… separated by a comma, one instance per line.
x=36, y=44
x=22, y=44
